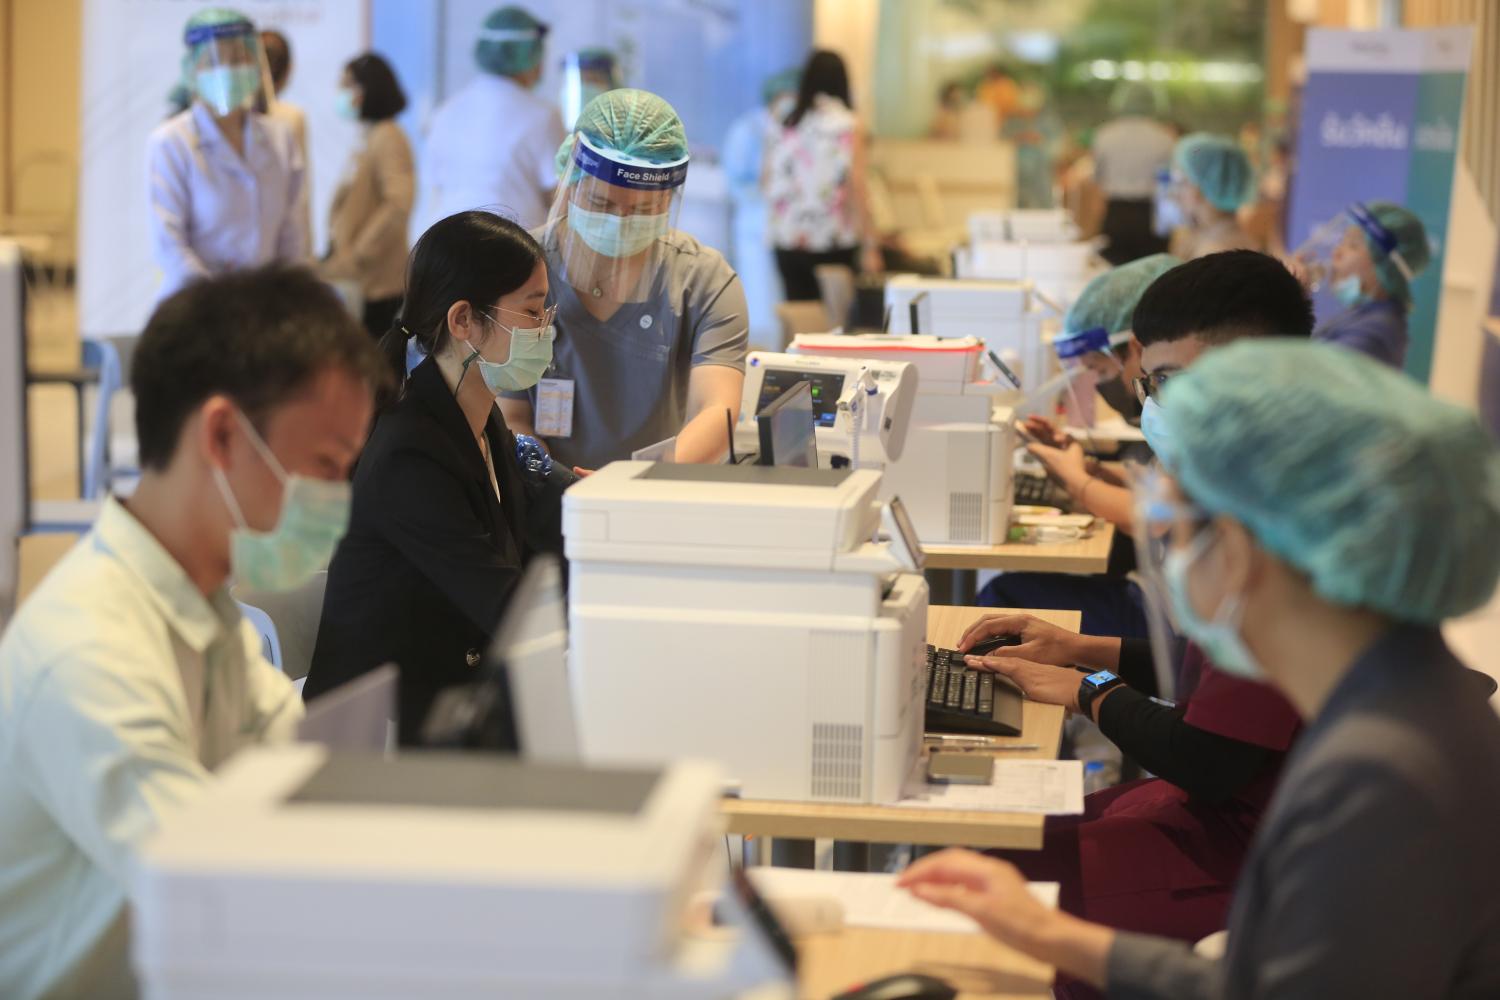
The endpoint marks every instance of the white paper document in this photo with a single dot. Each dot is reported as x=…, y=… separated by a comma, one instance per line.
x=1050, y=787
x=873, y=899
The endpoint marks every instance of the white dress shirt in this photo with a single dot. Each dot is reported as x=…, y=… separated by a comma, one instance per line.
x=492, y=146
x=121, y=689
x=213, y=210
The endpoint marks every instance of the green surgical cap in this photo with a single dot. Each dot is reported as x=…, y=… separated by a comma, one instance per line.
x=510, y=42
x=1109, y=300
x=633, y=123
x=230, y=22
x=1411, y=244
x=1218, y=167
x=784, y=82
x=1385, y=497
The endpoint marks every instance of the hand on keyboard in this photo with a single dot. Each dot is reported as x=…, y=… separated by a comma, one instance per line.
x=962, y=699
x=1031, y=639
x=1037, y=681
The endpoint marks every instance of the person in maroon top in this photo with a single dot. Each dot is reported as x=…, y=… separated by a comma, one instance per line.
x=1161, y=855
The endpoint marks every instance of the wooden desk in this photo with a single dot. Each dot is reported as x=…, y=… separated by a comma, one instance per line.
x=977, y=965
x=872, y=824
x=1087, y=555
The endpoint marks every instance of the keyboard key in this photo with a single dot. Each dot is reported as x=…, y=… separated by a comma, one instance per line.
x=986, y=694
x=971, y=690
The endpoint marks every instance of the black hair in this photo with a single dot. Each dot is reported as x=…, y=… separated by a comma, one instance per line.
x=823, y=74
x=278, y=56
x=1221, y=297
x=381, y=96
x=475, y=257
x=257, y=336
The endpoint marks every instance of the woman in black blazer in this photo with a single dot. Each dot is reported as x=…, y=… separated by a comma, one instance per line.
x=445, y=514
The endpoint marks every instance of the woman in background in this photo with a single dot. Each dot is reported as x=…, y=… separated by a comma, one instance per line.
x=372, y=206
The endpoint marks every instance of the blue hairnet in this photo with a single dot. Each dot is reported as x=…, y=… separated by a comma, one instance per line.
x=510, y=56
x=1109, y=300
x=1411, y=244
x=635, y=123
x=1218, y=167
x=1385, y=497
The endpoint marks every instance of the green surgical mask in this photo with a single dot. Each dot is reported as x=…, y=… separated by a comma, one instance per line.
x=530, y=354
x=314, y=516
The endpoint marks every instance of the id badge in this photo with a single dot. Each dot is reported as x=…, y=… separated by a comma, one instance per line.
x=554, y=407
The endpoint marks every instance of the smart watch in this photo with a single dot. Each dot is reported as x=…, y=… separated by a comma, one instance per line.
x=1094, y=685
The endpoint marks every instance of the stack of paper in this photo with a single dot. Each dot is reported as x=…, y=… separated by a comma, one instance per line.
x=873, y=899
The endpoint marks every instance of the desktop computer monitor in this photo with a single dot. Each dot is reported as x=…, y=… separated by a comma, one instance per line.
x=788, y=429
x=357, y=715
x=523, y=703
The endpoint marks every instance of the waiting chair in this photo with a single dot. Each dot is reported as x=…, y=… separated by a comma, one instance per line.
x=287, y=623
x=800, y=317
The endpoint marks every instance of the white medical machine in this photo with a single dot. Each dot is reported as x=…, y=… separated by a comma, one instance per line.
x=858, y=404
x=313, y=874
x=770, y=618
x=1037, y=245
x=1008, y=316
x=954, y=474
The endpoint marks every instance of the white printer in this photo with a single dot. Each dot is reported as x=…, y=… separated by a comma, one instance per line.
x=954, y=474
x=1008, y=316
x=848, y=393
x=750, y=615
x=310, y=874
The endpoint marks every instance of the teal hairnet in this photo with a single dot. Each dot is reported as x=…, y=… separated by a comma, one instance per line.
x=510, y=42
x=635, y=123
x=1218, y=167
x=784, y=82
x=1109, y=300
x=232, y=22
x=1411, y=244
x=1135, y=98
x=1385, y=497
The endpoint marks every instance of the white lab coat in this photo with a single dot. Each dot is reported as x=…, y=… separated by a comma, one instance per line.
x=213, y=210
x=491, y=146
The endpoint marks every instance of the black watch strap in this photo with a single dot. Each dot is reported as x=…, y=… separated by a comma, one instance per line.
x=1094, y=685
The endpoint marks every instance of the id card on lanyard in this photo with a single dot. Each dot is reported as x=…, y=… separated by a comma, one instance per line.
x=554, y=407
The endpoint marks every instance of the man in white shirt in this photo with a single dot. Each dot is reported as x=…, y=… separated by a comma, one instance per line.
x=129, y=676
x=491, y=145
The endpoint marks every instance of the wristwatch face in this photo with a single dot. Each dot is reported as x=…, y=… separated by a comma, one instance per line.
x=1098, y=680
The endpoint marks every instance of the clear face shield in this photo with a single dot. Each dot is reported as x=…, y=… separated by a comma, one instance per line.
x=607, y=224
x=1164, y=520
x=586, y=75
x=1330, y=253
x=226, y=68
x=1089, y=359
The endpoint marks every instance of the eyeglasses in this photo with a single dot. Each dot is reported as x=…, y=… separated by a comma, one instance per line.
x=1148, y=386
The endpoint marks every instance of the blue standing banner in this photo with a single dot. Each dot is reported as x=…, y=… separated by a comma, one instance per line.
x=1380, y=122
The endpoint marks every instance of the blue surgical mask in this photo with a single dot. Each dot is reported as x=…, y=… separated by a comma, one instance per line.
x=227, y=88
x=1154, y=427
x=345, y=105
x=613, y=235
x=1220, y=637
x=530, y=354
x=1349, y=291
x=314, y=516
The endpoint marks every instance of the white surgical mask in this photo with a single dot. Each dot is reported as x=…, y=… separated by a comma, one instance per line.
x=1154, y=427
x=613, y=235
x=530, y=354
x=1349, y=291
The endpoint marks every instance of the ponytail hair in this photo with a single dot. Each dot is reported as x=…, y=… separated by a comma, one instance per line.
x=475, y=257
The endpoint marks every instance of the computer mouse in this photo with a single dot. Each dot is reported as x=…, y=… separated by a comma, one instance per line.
x=901, y=986
x=984, y=647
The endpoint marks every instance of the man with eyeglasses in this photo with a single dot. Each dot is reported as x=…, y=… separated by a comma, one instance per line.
x=1161, y=855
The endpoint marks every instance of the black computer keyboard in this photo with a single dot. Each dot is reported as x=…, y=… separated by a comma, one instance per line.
x=1039, y=491
x=963, y=700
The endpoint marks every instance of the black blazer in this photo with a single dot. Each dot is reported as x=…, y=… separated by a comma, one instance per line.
x=431, y=556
